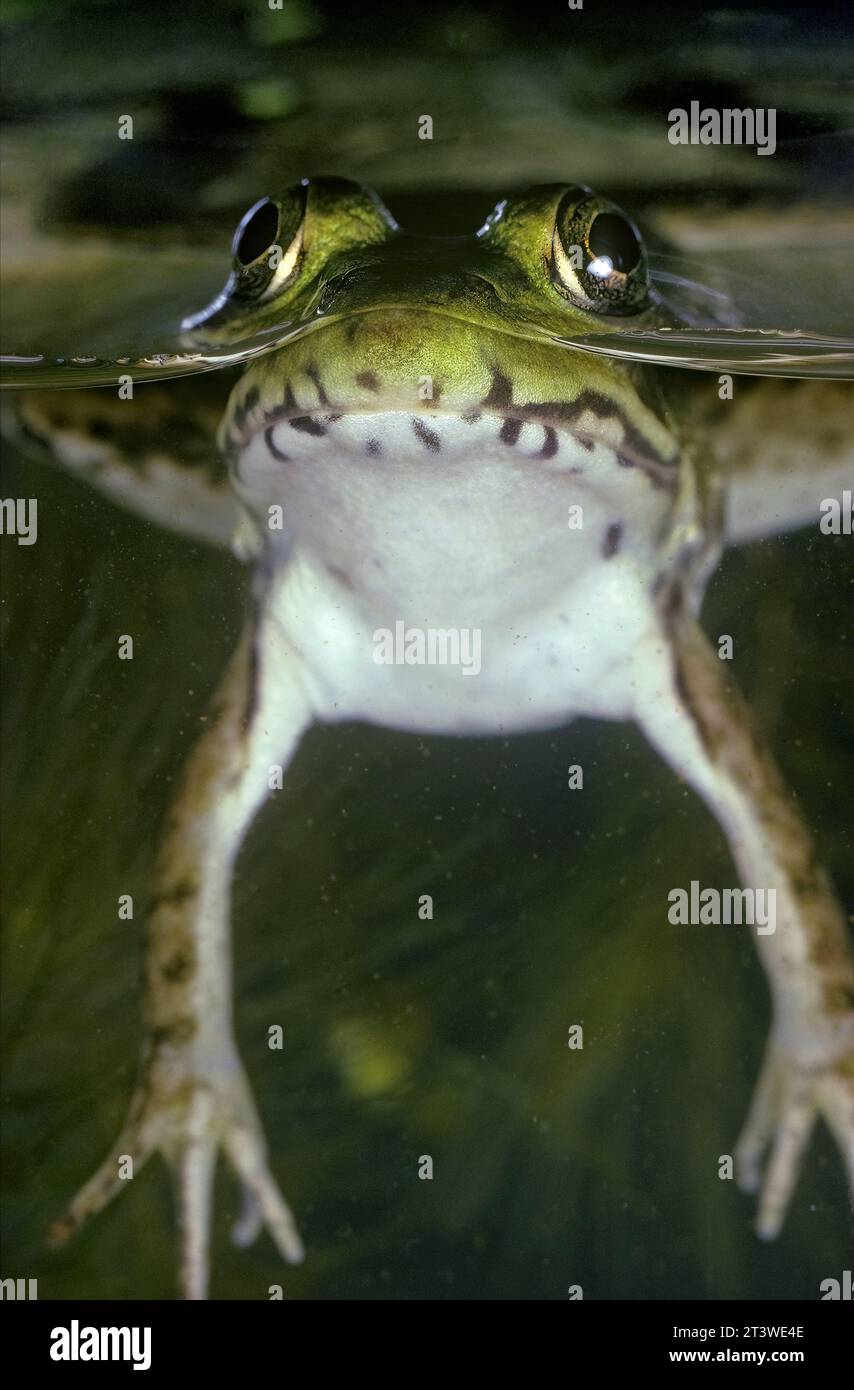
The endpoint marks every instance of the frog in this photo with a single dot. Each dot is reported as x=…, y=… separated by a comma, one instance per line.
x=425, y=455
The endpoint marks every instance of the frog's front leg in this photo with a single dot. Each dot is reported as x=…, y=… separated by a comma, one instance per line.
x=193, y=1095
x=697, y=720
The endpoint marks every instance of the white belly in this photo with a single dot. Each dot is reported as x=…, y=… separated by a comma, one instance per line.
x=457, y=588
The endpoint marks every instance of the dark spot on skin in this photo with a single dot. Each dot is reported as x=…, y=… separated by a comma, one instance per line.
x=276, y=452
x=550, y=446
x=100, y=429
x=180, y=1031
x=437, y=391
x=341, y=576
x=306, y=425
x=351, y=330
x=428, y=437
x=369, y=380
x=613, y=539
x=60, y=421
x=510, y=431
x=331, y=419
x=471, y=417
x=178, y=969
x=374, y=448
x=500, y=393
x=585, y=442
x=173, y=897
x=314, y=375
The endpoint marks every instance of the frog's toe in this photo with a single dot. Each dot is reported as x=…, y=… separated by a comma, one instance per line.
x=793, y=1127
x=194, y=1163
x=788, y=1101
x=250, y=1222
x=263, y=1203
x=758, y=1129
x=135, y=1144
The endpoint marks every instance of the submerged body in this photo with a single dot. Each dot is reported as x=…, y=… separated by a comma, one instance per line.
x=426, y=459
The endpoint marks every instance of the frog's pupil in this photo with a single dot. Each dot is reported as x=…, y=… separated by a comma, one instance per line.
x=258, y=233
x=612, y=236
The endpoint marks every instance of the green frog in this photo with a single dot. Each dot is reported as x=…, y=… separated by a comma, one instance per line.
x=456, y=523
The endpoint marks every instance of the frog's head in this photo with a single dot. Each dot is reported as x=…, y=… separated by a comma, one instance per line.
x=384, y=322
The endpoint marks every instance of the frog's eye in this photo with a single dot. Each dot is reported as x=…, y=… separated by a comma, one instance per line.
x=267, y=247
x=598, y=259
x=257, y=232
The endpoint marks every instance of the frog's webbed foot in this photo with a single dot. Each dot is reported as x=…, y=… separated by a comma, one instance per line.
x=788, y=1100
x=189, y=1119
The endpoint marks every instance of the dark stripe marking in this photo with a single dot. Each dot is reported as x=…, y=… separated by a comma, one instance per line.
x=500, y=392
x=306, y=425
x=550, y=444
x=175, y=896
x=274, y=450
x=428, y=437
x=500, y=397
x=314, y=375
x=510, y=431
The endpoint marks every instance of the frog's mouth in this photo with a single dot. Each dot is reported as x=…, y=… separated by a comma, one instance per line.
x=396, y=383
x=412, y=437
